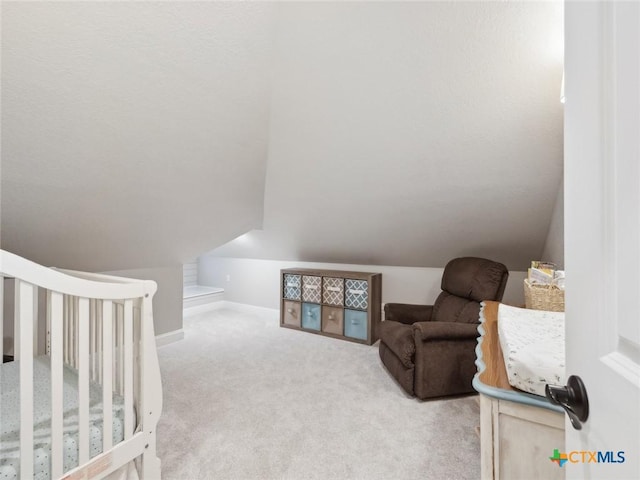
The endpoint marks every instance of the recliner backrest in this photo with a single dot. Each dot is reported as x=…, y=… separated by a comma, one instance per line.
x=466, y=282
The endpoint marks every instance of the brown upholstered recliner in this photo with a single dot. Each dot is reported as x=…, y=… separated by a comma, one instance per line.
x=430, y=349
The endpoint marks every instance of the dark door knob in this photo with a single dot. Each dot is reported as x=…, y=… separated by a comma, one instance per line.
x=573, y=398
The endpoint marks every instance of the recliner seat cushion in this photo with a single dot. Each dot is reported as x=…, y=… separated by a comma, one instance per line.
x=398, y=337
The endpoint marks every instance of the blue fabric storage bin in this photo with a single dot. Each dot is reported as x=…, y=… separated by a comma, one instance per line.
x=311, y=316
x=355, y=324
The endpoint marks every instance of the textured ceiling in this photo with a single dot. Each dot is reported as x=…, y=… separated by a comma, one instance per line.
x=411, y=133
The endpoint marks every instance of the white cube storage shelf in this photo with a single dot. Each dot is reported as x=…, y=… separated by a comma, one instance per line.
x=335, y=303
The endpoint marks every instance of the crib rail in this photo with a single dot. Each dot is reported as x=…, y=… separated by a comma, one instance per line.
x=101, y=327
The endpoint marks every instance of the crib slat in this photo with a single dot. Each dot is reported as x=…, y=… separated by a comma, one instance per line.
x=94, y=336
x=137, y=372
x=16, y=319
x=76, y=343
x=48, y=324
x=107, y=390
x=65, y=329
x=120, y=350
x=56, y=315
x=34, y=319
x=1, y=316
x=76, y=333
x=99, y=342
x=72, y=332
x=114, y=360
x=83, y=380
x=128, y=369
x=24, y=320
x=121, y=354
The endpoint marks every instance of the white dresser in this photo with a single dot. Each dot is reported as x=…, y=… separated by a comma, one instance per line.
x=519, y=432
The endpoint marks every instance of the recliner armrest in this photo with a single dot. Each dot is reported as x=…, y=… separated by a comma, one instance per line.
x=407, y=313
x=427, y=331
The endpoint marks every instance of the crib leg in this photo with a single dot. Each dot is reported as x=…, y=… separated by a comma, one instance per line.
x=152, y=394
x=150, y=463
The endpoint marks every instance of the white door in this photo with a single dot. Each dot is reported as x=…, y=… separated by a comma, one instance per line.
x=602, y=234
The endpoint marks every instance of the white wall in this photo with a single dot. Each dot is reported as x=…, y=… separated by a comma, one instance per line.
x=257, y=282
x=134, y=134
x=167, y=302
x=410, y=133
x=554, y=245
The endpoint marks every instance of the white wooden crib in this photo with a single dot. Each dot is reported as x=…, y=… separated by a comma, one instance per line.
x=83, y=396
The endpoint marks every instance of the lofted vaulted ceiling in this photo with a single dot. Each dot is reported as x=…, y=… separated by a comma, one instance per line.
x=412, y=133
x=134, y=134
x=139, y=134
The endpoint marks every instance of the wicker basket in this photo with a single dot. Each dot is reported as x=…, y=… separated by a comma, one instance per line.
x=543, y=297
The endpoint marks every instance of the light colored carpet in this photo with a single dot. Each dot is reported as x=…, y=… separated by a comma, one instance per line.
x=246, y=399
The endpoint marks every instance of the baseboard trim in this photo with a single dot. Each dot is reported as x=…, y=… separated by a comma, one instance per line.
x=204, y=299
x=206, y=307
x=239, y=307
x=169, y=337
x=243, y=307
